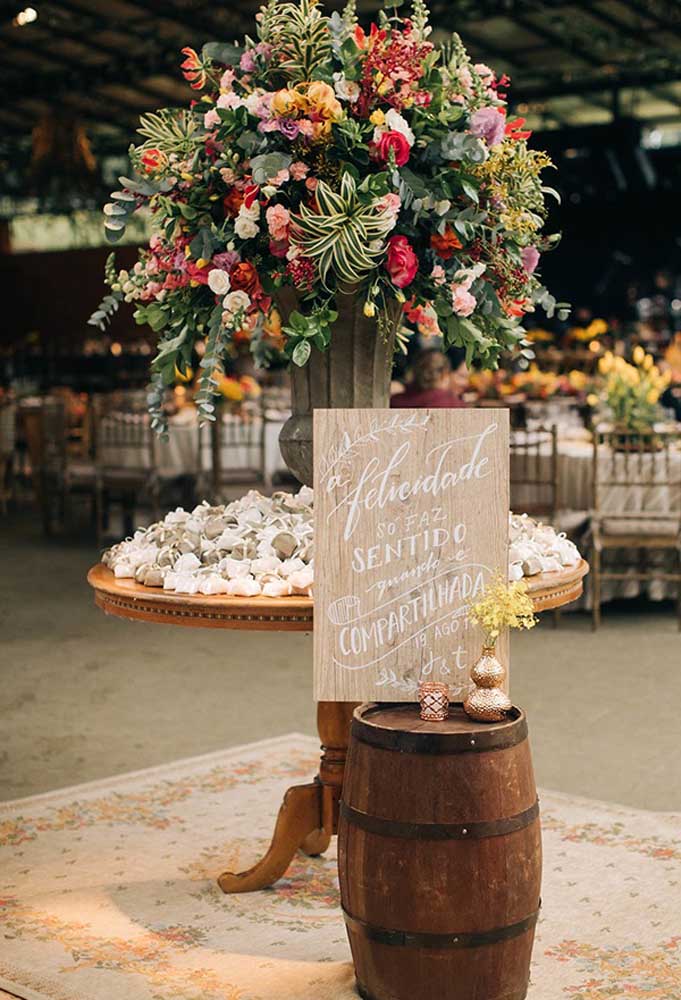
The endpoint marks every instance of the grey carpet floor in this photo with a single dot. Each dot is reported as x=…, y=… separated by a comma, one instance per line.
x=83, y=696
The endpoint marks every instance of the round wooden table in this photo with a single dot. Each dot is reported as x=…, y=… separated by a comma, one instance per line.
x=308, y=816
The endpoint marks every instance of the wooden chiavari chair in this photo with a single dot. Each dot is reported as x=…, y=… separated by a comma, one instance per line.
x=636, y=506
x=237, y=450
x=126, y=450
x=534, y=472
x=8, y=415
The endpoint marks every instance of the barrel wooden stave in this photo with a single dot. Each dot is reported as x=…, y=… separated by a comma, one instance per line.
x=416, y=859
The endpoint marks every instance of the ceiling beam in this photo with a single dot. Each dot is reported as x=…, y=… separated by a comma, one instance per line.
x=635, y=35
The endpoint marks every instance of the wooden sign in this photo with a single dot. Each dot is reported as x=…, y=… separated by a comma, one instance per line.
x=411, y=522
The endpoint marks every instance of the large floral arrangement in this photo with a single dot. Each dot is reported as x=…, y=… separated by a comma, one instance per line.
x=326, y=158
x=631, y=391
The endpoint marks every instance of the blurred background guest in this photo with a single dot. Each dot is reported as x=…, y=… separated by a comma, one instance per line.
x=430, y=383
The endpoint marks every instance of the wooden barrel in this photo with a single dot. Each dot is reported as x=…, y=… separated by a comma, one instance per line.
x=439, y=853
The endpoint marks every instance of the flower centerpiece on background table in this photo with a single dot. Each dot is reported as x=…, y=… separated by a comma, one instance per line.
x=363, y=183
x=631, y=392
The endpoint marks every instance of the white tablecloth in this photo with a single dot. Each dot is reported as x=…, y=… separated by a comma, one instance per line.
x=181, y=455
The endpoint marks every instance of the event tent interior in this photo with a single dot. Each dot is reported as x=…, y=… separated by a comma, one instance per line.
x=143, y=764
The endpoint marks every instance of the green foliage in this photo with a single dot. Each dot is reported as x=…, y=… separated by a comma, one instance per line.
x=346, y=236
x=171, y=130
x=299, y=32
x=305, y=331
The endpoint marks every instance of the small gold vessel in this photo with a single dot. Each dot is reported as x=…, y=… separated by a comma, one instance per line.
x=487, y=701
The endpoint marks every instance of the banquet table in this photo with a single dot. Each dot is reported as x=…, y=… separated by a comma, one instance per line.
x=575, y=498
x=308, y=816
x=187, y=451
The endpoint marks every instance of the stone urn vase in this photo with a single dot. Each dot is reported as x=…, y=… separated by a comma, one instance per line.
x=353, y=373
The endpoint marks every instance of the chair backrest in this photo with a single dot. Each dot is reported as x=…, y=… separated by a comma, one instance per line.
x=636, y=475
x=122, y=439
x=54, y=433
x=237, y=448
x=8, y=429
x=534, y=470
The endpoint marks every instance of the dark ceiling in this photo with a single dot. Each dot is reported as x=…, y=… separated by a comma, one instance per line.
x=571, y=64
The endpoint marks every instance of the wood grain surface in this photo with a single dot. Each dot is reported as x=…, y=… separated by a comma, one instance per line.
x=439, y=854
x=411, y=522
x=127, y=599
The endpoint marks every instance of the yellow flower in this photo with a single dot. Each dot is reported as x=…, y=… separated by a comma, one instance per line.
x=369, y=309
x=503, y=605
x=597, y=327
x=606, y=363
x=592, y=399
x=322, y=99
x=230, y=389
x=377, y=117
x=183, y=376
x=653, y=396
x=284, y=103
x=638, y=355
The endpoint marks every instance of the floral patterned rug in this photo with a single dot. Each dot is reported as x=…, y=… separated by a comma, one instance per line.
x=108, y=891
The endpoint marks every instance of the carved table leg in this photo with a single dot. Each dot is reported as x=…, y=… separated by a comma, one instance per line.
x=308, y=816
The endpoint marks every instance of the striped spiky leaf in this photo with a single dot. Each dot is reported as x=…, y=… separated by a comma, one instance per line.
x=346, y=237
x=299, y=34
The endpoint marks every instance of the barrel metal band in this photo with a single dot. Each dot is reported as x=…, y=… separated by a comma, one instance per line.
x=406, y=741
x=438, y=831
x=409, y=939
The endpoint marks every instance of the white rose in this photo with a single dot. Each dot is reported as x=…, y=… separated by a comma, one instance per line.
x=346, y=90
x=218, y=281
x=396, y=123
x=235, y=301
x=245, y=228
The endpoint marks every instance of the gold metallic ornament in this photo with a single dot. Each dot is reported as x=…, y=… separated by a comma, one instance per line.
x=487, y=701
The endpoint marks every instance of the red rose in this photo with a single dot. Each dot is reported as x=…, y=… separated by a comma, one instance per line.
x=402, y=263
x=244, y=277
x=395, y=141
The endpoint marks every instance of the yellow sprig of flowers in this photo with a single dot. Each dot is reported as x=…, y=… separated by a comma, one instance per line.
x=503, y=605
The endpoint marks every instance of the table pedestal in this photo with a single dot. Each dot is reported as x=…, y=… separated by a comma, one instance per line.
x=308, y=816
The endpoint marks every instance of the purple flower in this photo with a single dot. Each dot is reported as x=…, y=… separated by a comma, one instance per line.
x=288, y=128
x=530, y=258
x=247, y=61
x=488, y=124
x=264, y=49
x=226, y=260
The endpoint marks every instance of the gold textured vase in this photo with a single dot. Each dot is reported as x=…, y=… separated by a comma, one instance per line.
x=487, y=701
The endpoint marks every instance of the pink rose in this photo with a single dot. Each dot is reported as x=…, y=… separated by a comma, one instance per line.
x=488, y=124
x=391, y=140
x=401, y=262
x=278, y=220
x=463, y=303
x=530, y=258
x=438, y=274
x=247, y=62
x=211, y=118
x=298, y=170
x=391, y=203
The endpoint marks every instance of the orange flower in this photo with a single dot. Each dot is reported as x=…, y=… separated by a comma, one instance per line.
x=193, y=69
x=444, y=245
x=232, y=202
x=514, y=129
x=515, y=308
